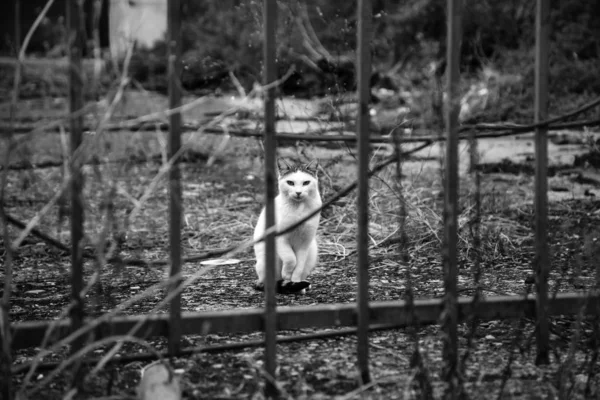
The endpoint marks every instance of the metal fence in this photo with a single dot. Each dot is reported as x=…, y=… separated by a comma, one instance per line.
x=363, y=314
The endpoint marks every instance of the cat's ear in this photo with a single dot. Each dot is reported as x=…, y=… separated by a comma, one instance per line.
x=282, y=166
x=311, y=167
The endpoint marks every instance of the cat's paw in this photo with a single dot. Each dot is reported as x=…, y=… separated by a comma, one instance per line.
x=284, y=286
x=288, y=287
x=286, y=273
x=260, y=286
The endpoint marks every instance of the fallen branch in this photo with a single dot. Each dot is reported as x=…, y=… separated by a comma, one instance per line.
x=530, y=127
x=139, y=123
x=39, y=234
x=375, y=139
x=491, y=131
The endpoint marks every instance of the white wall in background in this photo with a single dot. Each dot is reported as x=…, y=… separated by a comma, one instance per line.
x=140, y=21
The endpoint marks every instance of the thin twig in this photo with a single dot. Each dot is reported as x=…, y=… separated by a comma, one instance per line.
x=36, y=232
x=530, y=127
x=40, y=214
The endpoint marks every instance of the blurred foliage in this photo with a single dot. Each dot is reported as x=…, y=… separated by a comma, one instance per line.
x=218, y=37
x=224, y=37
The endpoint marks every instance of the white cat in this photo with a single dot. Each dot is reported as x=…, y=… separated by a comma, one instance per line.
x=296, y=250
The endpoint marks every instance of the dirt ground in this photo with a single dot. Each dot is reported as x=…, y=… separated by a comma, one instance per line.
x=221, y=205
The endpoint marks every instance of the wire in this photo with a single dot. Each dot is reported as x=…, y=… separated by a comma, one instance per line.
x=219, y=348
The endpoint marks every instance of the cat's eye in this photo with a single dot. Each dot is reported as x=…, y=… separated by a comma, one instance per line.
x=291, y=183
x=305, y=183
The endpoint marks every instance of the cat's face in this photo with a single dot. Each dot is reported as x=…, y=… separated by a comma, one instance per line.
x=297, y=182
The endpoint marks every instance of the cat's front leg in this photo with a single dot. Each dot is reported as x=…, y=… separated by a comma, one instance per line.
x=304, y=269
x=301, y=258
x=288, y=259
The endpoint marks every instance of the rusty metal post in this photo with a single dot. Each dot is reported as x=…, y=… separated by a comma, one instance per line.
x=75, y=46
x=270, y=144
x=17, y=27
x=542, y=260
x=174, y=144
x=451, y=183
x=6, y=390
x=363, y=74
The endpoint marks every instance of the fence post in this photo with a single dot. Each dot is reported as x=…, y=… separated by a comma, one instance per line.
x=175, y=203
x=363, y=74
x=451, y=183
x=75, y=45
x=5, y=325
x=5, y=333
x=542, y=260
x=17, y=27
x=270, y=76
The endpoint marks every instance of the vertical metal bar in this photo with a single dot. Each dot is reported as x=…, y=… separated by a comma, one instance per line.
x=270, y=75
x=175, y=203
x=454, y=37
x=5, y=334
x=6, y=391
x=17, y=27
x=75, y=50
x=542, y=264
x=96, y=12
x=363, y=73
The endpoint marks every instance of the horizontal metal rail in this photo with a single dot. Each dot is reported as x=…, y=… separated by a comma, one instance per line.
x=487, y=131
x=30, y=333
